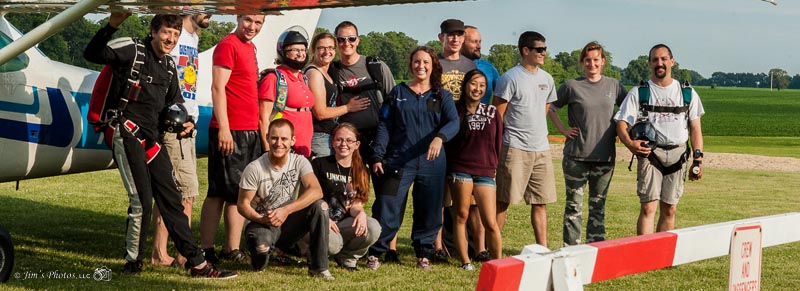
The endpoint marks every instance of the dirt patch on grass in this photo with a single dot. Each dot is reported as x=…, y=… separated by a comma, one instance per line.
x=718, y=160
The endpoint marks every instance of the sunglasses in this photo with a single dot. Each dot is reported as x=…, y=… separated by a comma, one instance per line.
x=350, y=39
x=537, y=49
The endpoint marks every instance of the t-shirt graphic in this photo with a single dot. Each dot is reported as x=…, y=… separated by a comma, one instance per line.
x=280, y=193
x=187, y=71
x=453, y=72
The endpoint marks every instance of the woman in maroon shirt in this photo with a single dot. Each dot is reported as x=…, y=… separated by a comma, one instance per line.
x=472, y=162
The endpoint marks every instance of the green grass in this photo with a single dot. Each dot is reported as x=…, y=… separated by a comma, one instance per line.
x=75, y=223
x=765, y=145
x=744, y=112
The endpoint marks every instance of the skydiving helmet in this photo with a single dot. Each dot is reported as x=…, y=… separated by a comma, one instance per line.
x=292, y=35
x=644, y=130
x=172, y=118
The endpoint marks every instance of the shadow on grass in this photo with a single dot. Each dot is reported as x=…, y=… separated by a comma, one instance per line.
x=60, y=248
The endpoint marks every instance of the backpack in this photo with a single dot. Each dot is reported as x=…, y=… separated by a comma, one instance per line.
x=105, y=103
x=645, y=108
x=281, y=92
x=374, y=65
x=644, y=99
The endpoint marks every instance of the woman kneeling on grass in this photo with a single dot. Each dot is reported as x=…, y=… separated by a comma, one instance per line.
x=471, y=164
x=345, y=187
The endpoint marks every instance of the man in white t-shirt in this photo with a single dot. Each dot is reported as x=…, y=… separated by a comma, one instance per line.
x=525, y=171
x=661, y=149
x=278, y=218
x=182, y=152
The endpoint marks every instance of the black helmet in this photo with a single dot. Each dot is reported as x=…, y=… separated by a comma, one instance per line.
x=644, y=130
x=292, y=35
x=172, y=118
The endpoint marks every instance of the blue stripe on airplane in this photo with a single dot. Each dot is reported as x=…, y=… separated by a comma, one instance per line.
x=22, y=108
x=58, y=133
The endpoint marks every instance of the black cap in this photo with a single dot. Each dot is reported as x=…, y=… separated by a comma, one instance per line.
x=452, y=25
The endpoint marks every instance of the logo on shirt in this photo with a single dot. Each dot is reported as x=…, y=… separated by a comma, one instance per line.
x=353, y=81
x=451, y=81
x=543, y=87
x=187, y=71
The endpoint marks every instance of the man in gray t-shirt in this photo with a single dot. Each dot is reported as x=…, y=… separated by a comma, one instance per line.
x=353, y=77
x=523, y=96
x=278, y=218
x=454, y=65
x=589, y=149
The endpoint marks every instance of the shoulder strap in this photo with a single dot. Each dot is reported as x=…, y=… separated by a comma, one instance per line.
x=644, y=93
x=686, y=90
x=281, y=88
x=374, y=69
x=138, y=60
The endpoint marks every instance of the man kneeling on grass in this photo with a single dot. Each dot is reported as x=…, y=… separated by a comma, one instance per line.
x=277, y=218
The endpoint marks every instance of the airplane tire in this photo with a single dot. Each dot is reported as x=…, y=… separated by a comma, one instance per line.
x=6, y=255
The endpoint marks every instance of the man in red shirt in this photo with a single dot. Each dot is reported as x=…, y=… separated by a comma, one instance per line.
x=233, y=135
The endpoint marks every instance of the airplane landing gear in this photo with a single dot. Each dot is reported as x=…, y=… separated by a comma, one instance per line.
x=6, y=255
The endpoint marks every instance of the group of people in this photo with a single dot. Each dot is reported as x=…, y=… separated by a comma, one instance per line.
x=292, y=150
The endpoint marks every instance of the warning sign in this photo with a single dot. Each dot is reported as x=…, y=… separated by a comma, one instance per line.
x=745, y=272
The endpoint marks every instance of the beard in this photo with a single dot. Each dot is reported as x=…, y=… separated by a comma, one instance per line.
x=202, y=20
x=660, y=75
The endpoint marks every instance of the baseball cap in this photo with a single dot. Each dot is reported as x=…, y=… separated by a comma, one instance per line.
x=452, y=25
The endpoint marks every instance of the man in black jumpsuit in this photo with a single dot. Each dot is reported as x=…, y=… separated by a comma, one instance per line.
x=145, y=169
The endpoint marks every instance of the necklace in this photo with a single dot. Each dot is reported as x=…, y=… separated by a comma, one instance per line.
x=347, y=188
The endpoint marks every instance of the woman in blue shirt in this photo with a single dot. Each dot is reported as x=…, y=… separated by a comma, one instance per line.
x=416, y=120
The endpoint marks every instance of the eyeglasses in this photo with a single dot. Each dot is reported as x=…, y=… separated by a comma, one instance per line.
x=455, y=34
x=296, y=50
x=350, y=39
x=537, y=49
x=326, y=48
x=346, y=141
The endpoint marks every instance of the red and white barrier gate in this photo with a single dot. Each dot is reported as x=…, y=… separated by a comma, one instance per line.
x=626, y=256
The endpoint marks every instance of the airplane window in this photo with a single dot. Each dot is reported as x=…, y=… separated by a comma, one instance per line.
x=17, y=63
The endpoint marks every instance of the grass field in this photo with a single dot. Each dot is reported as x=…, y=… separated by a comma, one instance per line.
x=74, y=224
x=745, y=112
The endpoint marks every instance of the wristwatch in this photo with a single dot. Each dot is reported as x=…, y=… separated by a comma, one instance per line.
x=698, y=154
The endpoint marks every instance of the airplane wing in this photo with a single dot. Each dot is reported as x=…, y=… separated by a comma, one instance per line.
x=197, y=6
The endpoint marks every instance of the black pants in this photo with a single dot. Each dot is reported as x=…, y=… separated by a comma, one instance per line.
x=312, y=219
x=145, y=181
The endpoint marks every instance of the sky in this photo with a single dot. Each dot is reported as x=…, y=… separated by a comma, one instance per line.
x=705, y=35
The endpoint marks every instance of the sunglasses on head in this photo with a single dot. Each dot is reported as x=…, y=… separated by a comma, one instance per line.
x=350, y=39
x=537, y=49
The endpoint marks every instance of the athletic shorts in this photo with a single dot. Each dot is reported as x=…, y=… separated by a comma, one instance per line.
x=185, y=165
x=225, y=172
x=525, y=175
x=651, y=185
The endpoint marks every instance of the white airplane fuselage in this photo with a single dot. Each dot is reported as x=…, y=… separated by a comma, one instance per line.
x=43, y=105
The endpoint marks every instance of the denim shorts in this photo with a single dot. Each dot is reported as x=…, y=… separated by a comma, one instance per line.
x=476, y=180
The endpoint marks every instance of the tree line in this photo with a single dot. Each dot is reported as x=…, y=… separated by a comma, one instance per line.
x=393, y=48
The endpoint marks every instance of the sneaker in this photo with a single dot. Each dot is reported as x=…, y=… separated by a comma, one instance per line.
x=235, y=256
x=211, y=256
x=280, y=258
x=259, y=261
x=392, y=256
x=483, y=256
x=373, y=263
x=424, y=264
x=321, y=274
x=468, y=267
x=349, y=264
x=441, y=256
x=211, y=272
x=132, y=268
